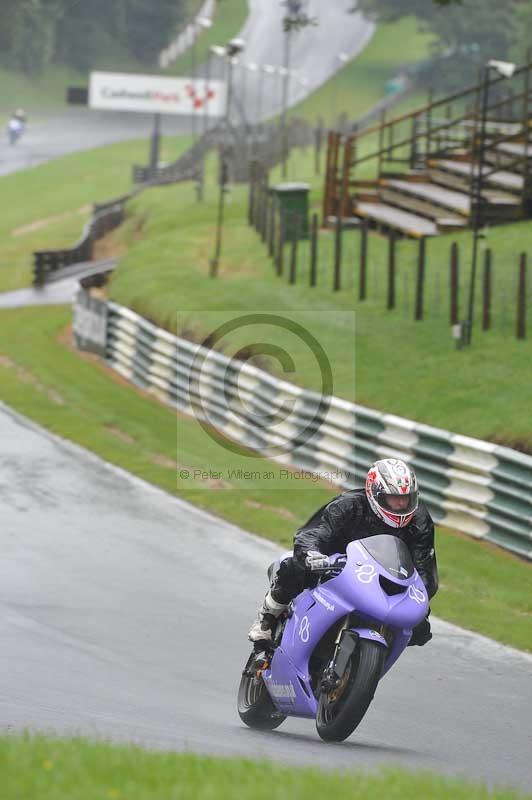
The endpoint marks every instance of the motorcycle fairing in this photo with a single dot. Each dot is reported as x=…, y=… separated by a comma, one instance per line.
x=356, y=589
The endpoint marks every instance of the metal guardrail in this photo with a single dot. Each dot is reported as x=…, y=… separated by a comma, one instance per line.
x=243, y=145
x=187, y=167
x=186, y=37
x=472, y=486
x=52, y=264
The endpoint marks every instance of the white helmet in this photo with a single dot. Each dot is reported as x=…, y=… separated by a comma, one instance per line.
x=391, y=489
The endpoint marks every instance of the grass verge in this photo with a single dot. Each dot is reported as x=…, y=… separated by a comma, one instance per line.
x=465, y=392
x=42, y=377
x=227, y=22
x=46, y=207
x=51, y=769
x=361, y=83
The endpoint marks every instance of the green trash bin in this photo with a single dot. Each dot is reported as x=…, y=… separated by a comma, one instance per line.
x=292, y=198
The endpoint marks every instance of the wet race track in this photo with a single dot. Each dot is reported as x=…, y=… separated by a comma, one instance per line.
x=124, y=614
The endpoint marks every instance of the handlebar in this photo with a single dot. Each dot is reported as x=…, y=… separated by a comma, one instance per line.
x=339, y=562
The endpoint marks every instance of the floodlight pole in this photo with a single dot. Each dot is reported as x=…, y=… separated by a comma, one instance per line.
x=232, y=49
x=286, y=89
x=506, y=70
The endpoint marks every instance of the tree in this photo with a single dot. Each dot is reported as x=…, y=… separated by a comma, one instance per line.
x=83, y=35
x=27, y=33
x=467, y=33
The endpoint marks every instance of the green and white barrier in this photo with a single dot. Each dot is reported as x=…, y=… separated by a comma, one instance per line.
x=472, y=486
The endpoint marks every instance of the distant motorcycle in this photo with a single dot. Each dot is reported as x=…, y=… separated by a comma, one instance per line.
x=16, y=127
x=336, y=641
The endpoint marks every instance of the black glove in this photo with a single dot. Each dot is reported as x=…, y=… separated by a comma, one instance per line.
x=421, y=634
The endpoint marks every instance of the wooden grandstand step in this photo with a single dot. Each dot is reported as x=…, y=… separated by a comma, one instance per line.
x=510, y=181
x=508, y=155
x=443, y=219
x=516, y=149
x=396, y=219
x=457, y=201
x=433, y=193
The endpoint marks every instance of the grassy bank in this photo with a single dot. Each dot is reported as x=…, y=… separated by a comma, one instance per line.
x=42, y=377
x=50, y=769
x=465, y=392
x=361, y=83
x=227, y=22
x=47, y=206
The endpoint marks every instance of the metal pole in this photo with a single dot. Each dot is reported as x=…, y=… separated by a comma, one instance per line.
x=337, y=254
x=223, y=173
x=260, y=94
x=363, y=260
x=476, y=201
x=207, y=90
x=420, y=279
x=244, y=71
x=314, y=250
x=155, y=143
x=454, y=284
x=521, y=298
x=486, y=292
x=391, y=271
x=286, y=87
x=193, y=71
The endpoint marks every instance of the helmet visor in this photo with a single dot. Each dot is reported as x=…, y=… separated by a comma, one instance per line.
x=400, y=504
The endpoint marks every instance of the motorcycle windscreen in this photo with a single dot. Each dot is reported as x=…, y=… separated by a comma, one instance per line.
x=391, y=553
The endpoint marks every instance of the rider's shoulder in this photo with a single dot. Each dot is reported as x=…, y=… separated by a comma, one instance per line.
x=422, y=515
x=353, y=498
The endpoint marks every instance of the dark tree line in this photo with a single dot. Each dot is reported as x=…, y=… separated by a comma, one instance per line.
x=467, y=32
x=36, y=33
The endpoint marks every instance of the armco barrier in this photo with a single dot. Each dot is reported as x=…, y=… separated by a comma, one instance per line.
x=105, y=217
x=474, y=487
x=186, y=37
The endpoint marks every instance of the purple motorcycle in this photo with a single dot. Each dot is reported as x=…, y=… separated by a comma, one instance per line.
x=336, y=641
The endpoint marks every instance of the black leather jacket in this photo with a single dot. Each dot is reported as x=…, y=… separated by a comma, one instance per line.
x=349, y=517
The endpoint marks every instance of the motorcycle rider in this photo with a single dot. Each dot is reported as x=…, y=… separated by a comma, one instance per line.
x=388, y=503
x=16, y=125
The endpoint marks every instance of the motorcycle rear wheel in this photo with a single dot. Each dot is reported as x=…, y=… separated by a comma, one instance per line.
x=255, y=706
x=341, y=711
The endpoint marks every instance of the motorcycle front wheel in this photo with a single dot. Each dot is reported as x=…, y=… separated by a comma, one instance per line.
x=340, y=711
x=255, y=706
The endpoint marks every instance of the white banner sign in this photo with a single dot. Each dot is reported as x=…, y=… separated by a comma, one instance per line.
x=115, y=91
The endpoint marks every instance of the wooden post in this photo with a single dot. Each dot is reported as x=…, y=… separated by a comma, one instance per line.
x=363, y=260
x=428, y=117
x=420, y=279
x=413, y=142
x=486, y=292
x=391, y=270
x=381, y=142
x=264, y=213
x=521, y=298
x=453, y=285
x=318, y=144
x=293, y=257
x=280, y=242
x=251, y=202
x=313, y=250
x=337, y=254
x=271, y=227
x=258, y=205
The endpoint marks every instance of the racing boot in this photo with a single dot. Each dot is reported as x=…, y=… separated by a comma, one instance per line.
x=261, y=631
x=421, y=633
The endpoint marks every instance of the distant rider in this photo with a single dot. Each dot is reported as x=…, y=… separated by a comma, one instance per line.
x=390, y=500
x=16, y=125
